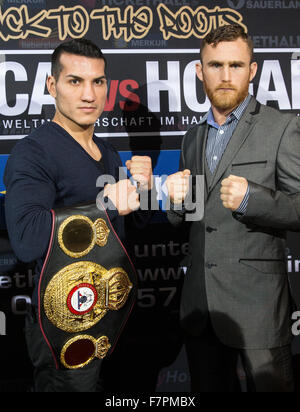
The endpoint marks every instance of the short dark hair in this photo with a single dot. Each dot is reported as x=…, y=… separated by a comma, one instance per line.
x=80, y=47
x=230, y=32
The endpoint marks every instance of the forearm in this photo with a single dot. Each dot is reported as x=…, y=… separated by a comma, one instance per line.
x=175, y=214
x=29, y=230
x=270, y=208
x=148, y=206
x=279, y=208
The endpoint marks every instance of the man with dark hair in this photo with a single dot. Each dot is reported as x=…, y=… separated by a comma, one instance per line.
x=57, y=166
x=80, y=47
x=236, y=296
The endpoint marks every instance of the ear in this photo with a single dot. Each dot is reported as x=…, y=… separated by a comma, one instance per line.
x=199, y=71
x=253, y=70
x=51, y=86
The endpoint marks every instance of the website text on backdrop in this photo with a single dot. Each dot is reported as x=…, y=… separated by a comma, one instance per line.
x=56, y=215
x=236, y=296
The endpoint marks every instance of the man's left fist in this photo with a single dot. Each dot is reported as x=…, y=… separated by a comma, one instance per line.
x=140, y=168
x=233, y=191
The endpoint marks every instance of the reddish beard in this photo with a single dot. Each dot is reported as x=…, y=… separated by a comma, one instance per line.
x=226, y=99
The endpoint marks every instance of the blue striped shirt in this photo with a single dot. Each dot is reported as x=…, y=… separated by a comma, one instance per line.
x=219, y=137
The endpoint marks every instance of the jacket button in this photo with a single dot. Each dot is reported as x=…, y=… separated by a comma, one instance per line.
x=210, y=265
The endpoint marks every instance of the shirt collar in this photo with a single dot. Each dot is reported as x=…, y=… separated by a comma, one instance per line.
x=237, y=114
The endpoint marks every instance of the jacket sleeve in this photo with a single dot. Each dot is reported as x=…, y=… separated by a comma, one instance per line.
x=30, y=195
x=141, y=217
x=176, y=216
x=280, y=208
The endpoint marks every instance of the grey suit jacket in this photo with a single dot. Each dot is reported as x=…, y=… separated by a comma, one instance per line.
x=237, y=270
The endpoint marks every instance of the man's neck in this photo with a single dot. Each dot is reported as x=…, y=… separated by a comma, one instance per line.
x=83, y=135
x=220, y=116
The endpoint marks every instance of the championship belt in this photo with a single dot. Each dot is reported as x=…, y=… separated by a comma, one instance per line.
x=87, y=287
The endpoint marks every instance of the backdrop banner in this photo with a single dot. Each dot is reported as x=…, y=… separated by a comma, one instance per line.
x=154, y=97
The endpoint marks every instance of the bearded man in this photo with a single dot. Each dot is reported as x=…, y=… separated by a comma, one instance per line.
x=236, y=296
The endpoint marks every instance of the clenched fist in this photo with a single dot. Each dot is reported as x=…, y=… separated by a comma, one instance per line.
x=124, y=196
x=233, y=191
x=140, y=168
x=178, y=186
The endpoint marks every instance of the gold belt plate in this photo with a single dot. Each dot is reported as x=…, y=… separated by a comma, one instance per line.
x=82, y=293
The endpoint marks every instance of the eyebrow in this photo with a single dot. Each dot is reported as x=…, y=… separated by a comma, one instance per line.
x=74, y=76
x=238, y=62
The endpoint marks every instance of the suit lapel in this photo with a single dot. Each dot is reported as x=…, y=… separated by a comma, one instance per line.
x=200, y=151
x=240, y=135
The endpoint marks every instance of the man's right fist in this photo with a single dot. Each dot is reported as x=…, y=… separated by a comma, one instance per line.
x=178, y=186
x=124, y=196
